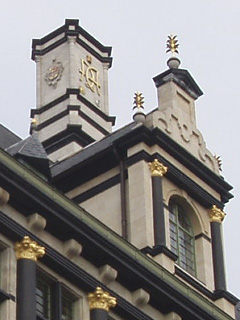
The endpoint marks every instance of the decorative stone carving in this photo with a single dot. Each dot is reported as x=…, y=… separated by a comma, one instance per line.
x=216, y=214
x=100, y=299
x=108, y=274
x=36, y=222
x=29, y=249
x=141, y=297
x=54, y=73
x=72, y=248
x=157, y=168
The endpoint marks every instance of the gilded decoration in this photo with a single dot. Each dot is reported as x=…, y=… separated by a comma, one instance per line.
x=138, y=101
x=172, y=44
x=29, y=249
x=216, y=214
x=54, y=73
x=100, y=299
x=90, y=75
x=157, y=168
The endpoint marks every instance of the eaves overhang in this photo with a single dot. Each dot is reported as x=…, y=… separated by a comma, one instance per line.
x=122, y=139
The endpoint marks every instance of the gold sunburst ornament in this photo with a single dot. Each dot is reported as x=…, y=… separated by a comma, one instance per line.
x=172, y=44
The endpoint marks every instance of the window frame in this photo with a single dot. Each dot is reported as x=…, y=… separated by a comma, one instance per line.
x=57, y=292
x=177, y=208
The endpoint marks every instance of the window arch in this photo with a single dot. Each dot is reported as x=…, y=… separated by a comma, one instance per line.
x=182, y=236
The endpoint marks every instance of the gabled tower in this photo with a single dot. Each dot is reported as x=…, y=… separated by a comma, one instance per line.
x=72, y=90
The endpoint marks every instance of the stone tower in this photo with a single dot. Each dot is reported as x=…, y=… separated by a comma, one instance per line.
x=72, y=90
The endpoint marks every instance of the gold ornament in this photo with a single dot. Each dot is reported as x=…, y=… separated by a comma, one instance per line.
x=138, y=101
x=157, y=168
x=172, y=44
x=216, y=214
x=29, y=249
x=101, y=300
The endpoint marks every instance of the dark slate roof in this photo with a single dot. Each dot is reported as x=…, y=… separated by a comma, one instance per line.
x=7, y=137
x=30, y=147
x=31, y=151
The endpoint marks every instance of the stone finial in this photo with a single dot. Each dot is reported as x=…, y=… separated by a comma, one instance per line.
x=29, y=249
x=172, y=46
x=157, y=168
x=100, y=299
x=139, y=115
x=216, y=214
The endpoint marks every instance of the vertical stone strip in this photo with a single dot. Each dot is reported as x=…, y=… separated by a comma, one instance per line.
x=99, y=303
x=27, y=253
x=216, y=218
x=157, y=171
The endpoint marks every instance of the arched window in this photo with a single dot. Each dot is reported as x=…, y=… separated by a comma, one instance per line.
x=181, y=237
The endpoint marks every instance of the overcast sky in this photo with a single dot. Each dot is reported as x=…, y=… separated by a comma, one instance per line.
x=208, y=33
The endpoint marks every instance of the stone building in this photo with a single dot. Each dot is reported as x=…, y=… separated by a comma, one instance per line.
x=96, y=223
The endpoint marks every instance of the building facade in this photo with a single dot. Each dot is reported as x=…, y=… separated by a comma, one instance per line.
x=97, y=223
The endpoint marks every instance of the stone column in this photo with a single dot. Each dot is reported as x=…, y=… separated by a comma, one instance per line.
x=157, y=171
x=216, y=218
x=99, y=303
x=27, y=253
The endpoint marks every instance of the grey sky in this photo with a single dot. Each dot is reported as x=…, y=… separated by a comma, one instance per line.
x=208, y=33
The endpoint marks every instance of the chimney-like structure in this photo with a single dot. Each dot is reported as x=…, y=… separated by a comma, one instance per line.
x=72, y=90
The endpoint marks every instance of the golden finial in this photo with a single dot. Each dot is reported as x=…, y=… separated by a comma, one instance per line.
x=172, y=44
x=34, y=121
x=216, y=214
x=138, y=101
x=157, y=168
x=219, y=162
x=29, y=249
x=100, y=299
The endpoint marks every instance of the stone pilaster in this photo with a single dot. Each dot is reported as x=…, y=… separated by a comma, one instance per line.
x=157, y=171
x=216, y=218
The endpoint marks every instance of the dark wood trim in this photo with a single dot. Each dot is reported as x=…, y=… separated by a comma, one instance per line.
x=63, y=138
x=64, y=30
x=218, y=257
x=158, y=212
x=204, y=236
x=160, y=249
x=107, y=184
x=130, y=136
x=179, y=178
x=65, y=96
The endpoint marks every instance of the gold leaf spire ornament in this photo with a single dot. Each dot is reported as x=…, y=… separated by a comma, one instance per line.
x=172, y=44
x=138, y=101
